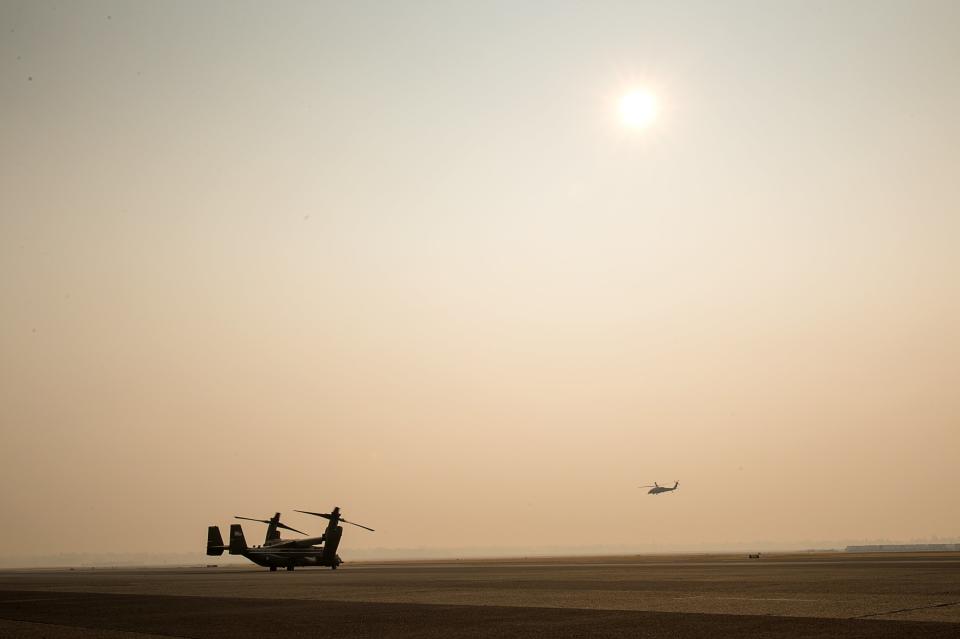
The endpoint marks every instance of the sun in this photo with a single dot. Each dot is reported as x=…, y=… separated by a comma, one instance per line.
x=639, y=108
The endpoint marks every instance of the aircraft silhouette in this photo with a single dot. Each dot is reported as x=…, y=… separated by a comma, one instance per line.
x=285, y=553
x=656, y=489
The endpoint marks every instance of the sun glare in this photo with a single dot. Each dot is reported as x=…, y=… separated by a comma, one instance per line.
x=639, y=108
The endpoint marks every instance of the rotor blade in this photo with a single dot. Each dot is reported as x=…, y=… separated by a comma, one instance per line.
x=262, y=521
x=286, y=527
x=646, y=486
x=359, y=525
x=307, y=512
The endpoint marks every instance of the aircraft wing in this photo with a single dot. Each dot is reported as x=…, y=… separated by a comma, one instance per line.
x=297, y=543
x=282, y=543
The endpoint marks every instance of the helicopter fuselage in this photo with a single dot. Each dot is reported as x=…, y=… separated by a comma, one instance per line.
x=657, y=489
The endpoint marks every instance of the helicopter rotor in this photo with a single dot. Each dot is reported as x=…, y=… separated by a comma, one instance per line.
x=335, y=518
x=267, y=521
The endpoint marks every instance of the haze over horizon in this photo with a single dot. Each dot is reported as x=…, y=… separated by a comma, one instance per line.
x=407, y=259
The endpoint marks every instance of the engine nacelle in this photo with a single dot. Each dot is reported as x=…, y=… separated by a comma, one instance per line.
x=331, y=544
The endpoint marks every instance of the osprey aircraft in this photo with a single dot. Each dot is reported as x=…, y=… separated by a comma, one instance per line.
x=656, y=489
x=288, y=553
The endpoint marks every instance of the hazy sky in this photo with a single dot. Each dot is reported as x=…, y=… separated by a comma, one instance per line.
x=405, y=258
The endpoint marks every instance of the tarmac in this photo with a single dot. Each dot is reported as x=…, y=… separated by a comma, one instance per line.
x=803, y=595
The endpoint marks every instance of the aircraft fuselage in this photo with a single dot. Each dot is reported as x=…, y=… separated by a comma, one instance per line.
x=656, y=490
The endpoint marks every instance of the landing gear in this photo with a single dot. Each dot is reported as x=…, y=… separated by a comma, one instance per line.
x=273, y=569
x=333, y=567
x=289, y=567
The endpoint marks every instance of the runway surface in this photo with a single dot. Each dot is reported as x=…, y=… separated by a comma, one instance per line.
x=826, y=595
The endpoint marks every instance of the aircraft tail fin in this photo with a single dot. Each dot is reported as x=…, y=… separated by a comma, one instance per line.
x=237, y=542
x=214, y=541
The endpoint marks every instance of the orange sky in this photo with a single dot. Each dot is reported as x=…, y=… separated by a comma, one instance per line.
x=408, y=261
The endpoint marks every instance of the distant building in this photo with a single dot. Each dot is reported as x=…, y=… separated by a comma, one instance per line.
x=906, y=548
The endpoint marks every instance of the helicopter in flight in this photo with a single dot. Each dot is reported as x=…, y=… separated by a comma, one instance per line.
x=288, y=553
x=656, y=488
